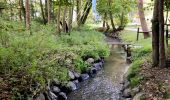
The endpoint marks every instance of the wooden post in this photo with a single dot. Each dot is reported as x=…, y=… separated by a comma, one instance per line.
x=137, y=34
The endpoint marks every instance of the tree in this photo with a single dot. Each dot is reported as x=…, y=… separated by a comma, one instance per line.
x=162, y=58
x=155, y=35
x=158, y=45
x=27, y=10
x=142, y=19
x=78, y=12
x=58, y=18
x=71, y=8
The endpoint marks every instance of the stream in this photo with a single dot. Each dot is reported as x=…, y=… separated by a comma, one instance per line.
x=106, y=84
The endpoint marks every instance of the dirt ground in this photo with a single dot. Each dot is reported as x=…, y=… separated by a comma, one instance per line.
x=156, y=82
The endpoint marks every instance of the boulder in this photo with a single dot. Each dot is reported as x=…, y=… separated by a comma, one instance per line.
x=134, y=91
x=83, y=77
x=76, y=74
x=53, y=96
x=55, y=89
x=97, y=66
x=40, y=97
x=127, y=93
x=126, y=84
x=93, y=70
x=62, y=96
x=90, y=60
x=71, y=75
x=72, y=86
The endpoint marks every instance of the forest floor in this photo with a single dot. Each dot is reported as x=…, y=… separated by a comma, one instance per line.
x=156, y=81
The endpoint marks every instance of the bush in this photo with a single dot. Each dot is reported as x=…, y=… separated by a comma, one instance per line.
x=44, y=55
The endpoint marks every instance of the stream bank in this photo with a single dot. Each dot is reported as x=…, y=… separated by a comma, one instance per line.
x=106, y=84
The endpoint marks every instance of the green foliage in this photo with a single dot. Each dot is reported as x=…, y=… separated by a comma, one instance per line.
x=117, y=8
x=44, y=55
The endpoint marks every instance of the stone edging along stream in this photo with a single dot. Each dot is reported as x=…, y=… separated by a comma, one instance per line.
x=57, y=91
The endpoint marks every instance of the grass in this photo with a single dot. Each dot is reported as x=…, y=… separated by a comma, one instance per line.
x=139, y=55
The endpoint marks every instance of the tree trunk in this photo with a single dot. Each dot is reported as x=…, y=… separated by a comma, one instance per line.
x=27, y=9
x=162, y=58
x=46, y=10
x=111, y=16
x=86, y=12
x=71, y=8
x=112, y=23
x=49, y=10
x=42, y=12
x=20, y=10
x=58, y=19
x=142, y=19
x=78, y=12
x=64, y=19
x=155, y=35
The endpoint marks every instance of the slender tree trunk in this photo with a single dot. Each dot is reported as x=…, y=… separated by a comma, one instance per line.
x=58, y=19
x=111, y=16
x=46, y=10
x=78, y=12
x=71, y=8
x=142, y=19
x=155, y=35
x=111, y=20
x=104, y=20
x=42, y=12
x=27, y=9
x=162, y=58
x=20, y=10
x=49, y=10
x=64, y=19
x=86, y=12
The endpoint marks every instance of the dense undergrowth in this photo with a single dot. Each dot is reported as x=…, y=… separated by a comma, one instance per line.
x=28, y=61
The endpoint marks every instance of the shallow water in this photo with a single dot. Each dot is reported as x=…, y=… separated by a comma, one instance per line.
x=106, y=84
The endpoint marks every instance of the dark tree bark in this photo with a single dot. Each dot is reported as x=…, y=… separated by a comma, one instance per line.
x=155, y=35
x=142, y=19
x=162, y=58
